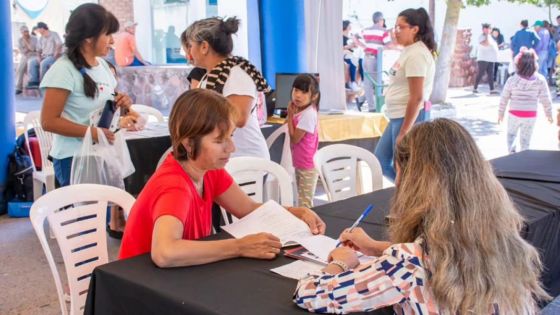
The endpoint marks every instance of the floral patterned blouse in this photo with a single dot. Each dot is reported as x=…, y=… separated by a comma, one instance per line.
x=397, y=278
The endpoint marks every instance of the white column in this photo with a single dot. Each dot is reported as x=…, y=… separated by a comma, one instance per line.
x=324, y=50
x=143, y=16
x=237, y=8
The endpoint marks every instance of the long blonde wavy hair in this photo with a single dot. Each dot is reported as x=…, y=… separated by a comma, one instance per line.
x=448, y=195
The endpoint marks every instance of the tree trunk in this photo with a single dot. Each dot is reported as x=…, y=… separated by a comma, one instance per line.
x=446, y=51
x=432, y=12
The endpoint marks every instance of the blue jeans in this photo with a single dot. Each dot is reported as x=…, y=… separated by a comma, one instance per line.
x=543, y=63
x=352, y=69
x=136, y=62
x=385, y=149
x=38, y=69
x=553, y=308
x=62, y=171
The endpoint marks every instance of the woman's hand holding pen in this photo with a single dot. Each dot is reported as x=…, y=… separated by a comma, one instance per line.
x=360, y=241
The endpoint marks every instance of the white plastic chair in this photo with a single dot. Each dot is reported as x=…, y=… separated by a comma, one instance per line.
x=148, y=111
x=340, y=175
x=80, y=234
x=164, y=156
x=286, y=159
x=45, y=176
x=250, y=173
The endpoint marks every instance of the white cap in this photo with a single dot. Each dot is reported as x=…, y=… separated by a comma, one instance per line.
x=129, y=23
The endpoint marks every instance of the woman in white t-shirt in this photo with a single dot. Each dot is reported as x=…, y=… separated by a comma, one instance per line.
x=209, y=44
x=410, y=86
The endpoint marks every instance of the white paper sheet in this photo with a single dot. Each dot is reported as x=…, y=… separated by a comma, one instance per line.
x=275, y=219
x=319, y=245
x=298, y=269
x=151, y=130
x=271, y=218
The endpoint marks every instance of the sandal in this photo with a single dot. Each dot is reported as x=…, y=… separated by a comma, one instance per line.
x=114, y=234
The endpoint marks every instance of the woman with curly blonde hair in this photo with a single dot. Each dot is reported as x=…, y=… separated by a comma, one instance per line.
x=455, y=242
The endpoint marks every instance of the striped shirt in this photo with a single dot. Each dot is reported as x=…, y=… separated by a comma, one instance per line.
x=374, y=37
x=523, y=95
x=397, y=278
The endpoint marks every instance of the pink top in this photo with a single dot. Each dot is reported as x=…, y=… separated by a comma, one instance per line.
x=125, y=44
x=304, y=150
x=524, y=113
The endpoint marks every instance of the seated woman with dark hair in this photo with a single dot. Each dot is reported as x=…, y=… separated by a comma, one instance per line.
x=174, y=208
x=455, y=242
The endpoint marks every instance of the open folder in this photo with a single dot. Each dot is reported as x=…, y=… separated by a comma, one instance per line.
x=274, y=219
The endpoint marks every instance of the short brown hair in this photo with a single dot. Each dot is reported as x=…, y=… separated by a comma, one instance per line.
x=195, y=114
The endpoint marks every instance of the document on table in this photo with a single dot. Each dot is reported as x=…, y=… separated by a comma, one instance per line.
x=299, y=269
x=151, y=130
x=275, y=219
x=302, y=268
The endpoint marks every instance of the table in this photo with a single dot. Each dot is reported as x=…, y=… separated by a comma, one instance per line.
x=337, y=127
x=237, y=286
x=536, y=165
x=145, y=153
x=532, y=180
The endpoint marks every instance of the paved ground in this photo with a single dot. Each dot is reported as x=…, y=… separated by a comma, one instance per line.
x=26, y=284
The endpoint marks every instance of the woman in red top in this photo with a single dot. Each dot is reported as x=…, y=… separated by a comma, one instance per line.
x=174, y=208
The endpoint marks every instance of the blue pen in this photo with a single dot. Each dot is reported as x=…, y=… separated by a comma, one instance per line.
x=360, y=219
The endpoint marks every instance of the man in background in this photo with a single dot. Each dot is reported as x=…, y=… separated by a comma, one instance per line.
x=375, y=37
x=524, y=37
x=50, y=48
x=126, y=52
x=28, y=47
x=541, y=48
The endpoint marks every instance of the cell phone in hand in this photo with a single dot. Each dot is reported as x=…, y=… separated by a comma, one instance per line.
x=107, y=114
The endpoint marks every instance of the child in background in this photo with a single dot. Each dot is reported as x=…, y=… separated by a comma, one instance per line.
x=523, y=92
x=303, y=124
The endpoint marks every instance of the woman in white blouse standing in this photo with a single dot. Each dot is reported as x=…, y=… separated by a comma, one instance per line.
x=411, y=81
x=209, y=45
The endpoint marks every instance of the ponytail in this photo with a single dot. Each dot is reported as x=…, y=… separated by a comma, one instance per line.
x=419, y=17
x=78, y=60
x=87, y=21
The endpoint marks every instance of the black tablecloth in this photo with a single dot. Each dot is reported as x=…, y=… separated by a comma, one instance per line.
x=146, y=152
x=245, y=286
x=533, y=165
x=532, y=180
x=236, y=286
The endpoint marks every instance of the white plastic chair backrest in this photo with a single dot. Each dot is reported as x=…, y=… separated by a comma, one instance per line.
x=79, y=231
x=164, y=156
x=249, y=173
x=149, y=111
x=340, y=175
x=33, y=120
x=286, y=159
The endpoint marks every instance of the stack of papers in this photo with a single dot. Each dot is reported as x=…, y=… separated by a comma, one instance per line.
x=275, y=219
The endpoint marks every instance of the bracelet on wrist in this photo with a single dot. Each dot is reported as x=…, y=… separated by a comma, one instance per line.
x=340, y=264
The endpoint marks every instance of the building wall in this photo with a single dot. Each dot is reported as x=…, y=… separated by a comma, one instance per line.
x=122, y=9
